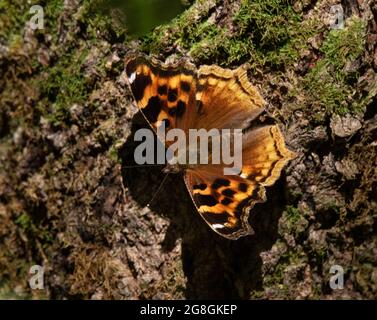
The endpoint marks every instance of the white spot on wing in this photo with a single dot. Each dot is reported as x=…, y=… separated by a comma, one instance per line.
x=132, y=77
x=217, y=226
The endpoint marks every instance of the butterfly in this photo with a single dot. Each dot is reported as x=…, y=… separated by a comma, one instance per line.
x=178, y=95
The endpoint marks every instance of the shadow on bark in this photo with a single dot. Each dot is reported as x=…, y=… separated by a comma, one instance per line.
x=216, y=268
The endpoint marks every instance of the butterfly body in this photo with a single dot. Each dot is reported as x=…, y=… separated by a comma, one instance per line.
x=215, y=102
x=173, y=168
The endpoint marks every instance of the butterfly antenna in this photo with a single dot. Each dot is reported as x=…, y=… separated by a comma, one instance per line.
x=158, y=190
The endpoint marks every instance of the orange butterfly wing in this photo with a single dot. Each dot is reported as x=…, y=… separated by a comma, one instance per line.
x=212, y=97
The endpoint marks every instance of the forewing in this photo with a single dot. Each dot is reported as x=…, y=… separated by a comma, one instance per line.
x=225, y=99
x=164, y=93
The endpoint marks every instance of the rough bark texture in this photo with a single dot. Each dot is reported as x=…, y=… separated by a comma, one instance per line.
x=69, y=202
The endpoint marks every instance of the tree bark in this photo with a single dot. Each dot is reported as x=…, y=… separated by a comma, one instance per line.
x=70, y=201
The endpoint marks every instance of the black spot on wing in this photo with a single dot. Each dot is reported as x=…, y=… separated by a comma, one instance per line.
x=220, y=183
x=138, y=86
x=172, y=95
x=242, y=187
x=185, y=86
x=162, y=90
x=181, y=108
x=226, y=201
x=228, y=193
x=205, y=200
x=201, y=186
x=153, y=109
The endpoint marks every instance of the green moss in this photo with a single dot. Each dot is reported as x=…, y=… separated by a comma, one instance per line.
x=13, y=15
x=8, y=293
x=293, y=222
x=114, y=154
x=52, y=10
x=62, y=83
x=99, y=17
x=24, y=221
x=293, y=214
x=186, y=30
x=257, y=295
x=330, y=84
x=15, y=43
x=65, y=85
x=173, y=282
x=277, y=276
x=275, y=30
x=36, y=230
x=318, y=256
x=265, y=33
